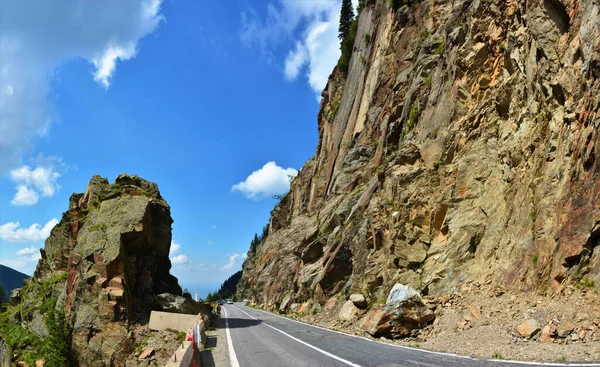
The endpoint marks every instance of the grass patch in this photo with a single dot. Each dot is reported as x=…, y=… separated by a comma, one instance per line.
x=438, y=50
x=497, y=355
x=534, y=259
x=588, y=283
x=413, y=117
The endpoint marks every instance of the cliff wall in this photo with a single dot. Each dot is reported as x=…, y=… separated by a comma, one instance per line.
x=461, y=146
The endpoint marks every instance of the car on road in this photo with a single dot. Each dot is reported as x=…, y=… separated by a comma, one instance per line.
x=229, y=301
x=220, y=302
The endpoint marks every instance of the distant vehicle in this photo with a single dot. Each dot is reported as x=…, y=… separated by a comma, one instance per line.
x=219, y=301
x=245, y=299
x=229, y=301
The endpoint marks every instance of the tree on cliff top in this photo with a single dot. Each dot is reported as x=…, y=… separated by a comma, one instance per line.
x=346, y=19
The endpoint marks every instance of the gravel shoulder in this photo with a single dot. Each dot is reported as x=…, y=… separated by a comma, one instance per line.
x=215, y=353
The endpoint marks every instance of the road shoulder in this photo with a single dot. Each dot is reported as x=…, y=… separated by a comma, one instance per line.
x=215, y=353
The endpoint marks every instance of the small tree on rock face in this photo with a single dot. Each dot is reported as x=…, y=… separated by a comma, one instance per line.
x=346, y=19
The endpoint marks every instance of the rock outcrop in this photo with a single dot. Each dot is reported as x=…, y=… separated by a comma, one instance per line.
x=462, y=145
x=102, y=268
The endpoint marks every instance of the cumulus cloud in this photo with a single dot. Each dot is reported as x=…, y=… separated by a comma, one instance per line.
x=175, y=247
x=312, y=26
x=180, y=259
x=27, y=251
x=265, y=182
x=35, y=40
x=24, y=196
x=13, y=232
x=25, y=257
x=35, y=182
x=233, y=259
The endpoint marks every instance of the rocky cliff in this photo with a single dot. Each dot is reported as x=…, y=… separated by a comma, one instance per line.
x=101, y=270
x=462, y=145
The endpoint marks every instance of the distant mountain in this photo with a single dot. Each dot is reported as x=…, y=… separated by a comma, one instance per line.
x=10, y=279
x=228, y=288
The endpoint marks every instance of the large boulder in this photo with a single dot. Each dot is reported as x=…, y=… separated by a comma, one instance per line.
x=349, y=312
x=528, y=328
x=173, y=303
x=359, y=300
x=401, y=293
x=403, y=313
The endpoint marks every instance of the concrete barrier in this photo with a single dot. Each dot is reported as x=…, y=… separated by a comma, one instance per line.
x=176, y=321
x=184, y=356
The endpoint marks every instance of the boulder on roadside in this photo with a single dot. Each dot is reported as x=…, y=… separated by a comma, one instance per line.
x=528, y=328
x=565, y=330
x=548, y=334
x=172, y=303
x=349, y=312
x=403, y=313
x=397, y=320
x=285, y=304
x=295, y=307
x=359, y=300
x=401, y=293
x=305, y=308
x=330, y=304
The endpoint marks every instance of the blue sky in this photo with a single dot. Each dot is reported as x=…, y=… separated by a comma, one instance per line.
x=215, y=101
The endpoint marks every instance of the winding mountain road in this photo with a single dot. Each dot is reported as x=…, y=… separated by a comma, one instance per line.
x=260, y=339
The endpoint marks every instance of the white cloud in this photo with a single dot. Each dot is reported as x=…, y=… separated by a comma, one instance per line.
x=27, y=251
x=210, y=242
x=13, y=232
x=107, y=63
x=35, y=40
x=25, y=257
x=233, y=260
x=35, y=182
x=24, y=196
x=294, y=61
x=317, y=46
x=265, y=182
x=175, y=247
x=180, y=259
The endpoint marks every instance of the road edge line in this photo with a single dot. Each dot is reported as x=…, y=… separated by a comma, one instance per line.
x=340, y=359
x=567, y=364
x=232, y=357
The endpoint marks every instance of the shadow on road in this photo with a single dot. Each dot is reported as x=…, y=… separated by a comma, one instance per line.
x=235, y=323
x=211, y=342
x=207, y=357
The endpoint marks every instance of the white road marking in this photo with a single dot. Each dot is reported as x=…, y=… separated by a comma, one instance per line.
x=304, y=343
x=432, y=351
x=232, y=357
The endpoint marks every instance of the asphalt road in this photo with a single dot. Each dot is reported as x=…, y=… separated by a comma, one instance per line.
x=261, y=339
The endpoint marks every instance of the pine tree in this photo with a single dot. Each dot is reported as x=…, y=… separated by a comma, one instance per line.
x=346, y=19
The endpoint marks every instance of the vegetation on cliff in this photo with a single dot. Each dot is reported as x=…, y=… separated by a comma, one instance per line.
x=39, y=306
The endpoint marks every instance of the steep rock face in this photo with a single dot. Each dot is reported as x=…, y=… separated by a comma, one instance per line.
x=462, y=145
x=106, y=261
